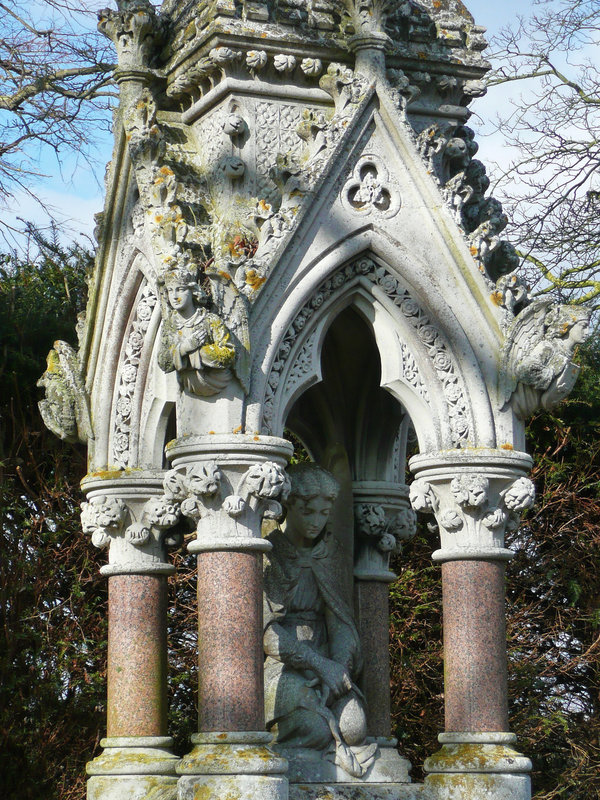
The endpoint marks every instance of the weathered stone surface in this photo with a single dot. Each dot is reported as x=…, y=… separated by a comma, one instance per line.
x=336, y=791
x=237, y=765
x=133, y=768
x=478, y=766
x=298, y=237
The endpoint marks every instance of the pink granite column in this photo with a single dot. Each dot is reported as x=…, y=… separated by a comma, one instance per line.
x=382, y=520
x=130, y=515
x=231, y=482
x=137, y=655
x=371, y=600
x=230, y=652
x=475, y=680
x=475, y=496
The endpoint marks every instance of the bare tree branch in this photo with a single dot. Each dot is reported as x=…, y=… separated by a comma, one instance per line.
x=551, y=188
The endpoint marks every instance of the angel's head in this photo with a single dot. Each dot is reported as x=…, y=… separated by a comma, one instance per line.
x=184, y=293
x=568, y=323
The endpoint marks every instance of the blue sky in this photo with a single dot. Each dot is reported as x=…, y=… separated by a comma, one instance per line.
x=74, y=191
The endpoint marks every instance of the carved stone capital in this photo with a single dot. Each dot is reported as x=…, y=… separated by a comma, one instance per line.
x=383, y=519
x=134, y=29
x=135, y=518
x=475, y=496
x=228, y=484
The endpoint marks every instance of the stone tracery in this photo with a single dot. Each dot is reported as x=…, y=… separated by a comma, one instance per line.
x=264, y=152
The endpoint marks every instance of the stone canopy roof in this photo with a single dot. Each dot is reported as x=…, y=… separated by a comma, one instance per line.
x=421, y=34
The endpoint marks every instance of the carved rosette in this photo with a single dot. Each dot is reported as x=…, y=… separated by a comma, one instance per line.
x=383, y=519
x=475, y=497
x=279, y=392
x=128, y=374
x=135, y=519
x=227, y=485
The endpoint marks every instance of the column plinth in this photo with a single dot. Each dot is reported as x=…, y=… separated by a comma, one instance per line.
x=229, y=483
x=475, y=496
x=130, y=517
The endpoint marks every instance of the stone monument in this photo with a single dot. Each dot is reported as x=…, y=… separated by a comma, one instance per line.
x=297, y=239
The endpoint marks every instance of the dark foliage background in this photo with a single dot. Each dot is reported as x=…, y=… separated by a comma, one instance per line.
x=52, y=599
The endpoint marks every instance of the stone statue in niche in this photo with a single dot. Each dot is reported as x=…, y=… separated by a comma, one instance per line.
x=311, y=643
x=194, y=342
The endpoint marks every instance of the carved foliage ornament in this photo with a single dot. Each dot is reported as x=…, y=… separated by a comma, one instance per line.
x=109, y=519
x=466, y=511
x=384, y=529
x=205, y=496
x=448, y=154
x=128, y=374
x=430, y=337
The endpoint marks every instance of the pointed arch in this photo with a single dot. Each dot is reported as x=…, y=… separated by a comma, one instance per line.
x=430, y=368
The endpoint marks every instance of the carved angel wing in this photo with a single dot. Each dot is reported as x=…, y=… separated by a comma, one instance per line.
x=232, y=306
x=524, y=335
x=65, y=410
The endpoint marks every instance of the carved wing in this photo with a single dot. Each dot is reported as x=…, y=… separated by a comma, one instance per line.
x=65, y=410
x=525, y=333
x=232, y=306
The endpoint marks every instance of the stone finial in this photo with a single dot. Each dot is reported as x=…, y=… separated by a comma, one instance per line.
x=537, y=368
x=65, y=409
x=367, y=16
x=135, y=30
x=475, y=499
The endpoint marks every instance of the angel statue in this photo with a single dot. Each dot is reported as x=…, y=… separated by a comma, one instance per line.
x=194, y=342
x=312, y=648
x=538, y=370
x=65, y=408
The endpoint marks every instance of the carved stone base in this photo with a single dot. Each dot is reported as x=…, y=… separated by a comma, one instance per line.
x=236, y=765
x=313, y=766
x=350, y=791
x=478, y=766
x=133, y=768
